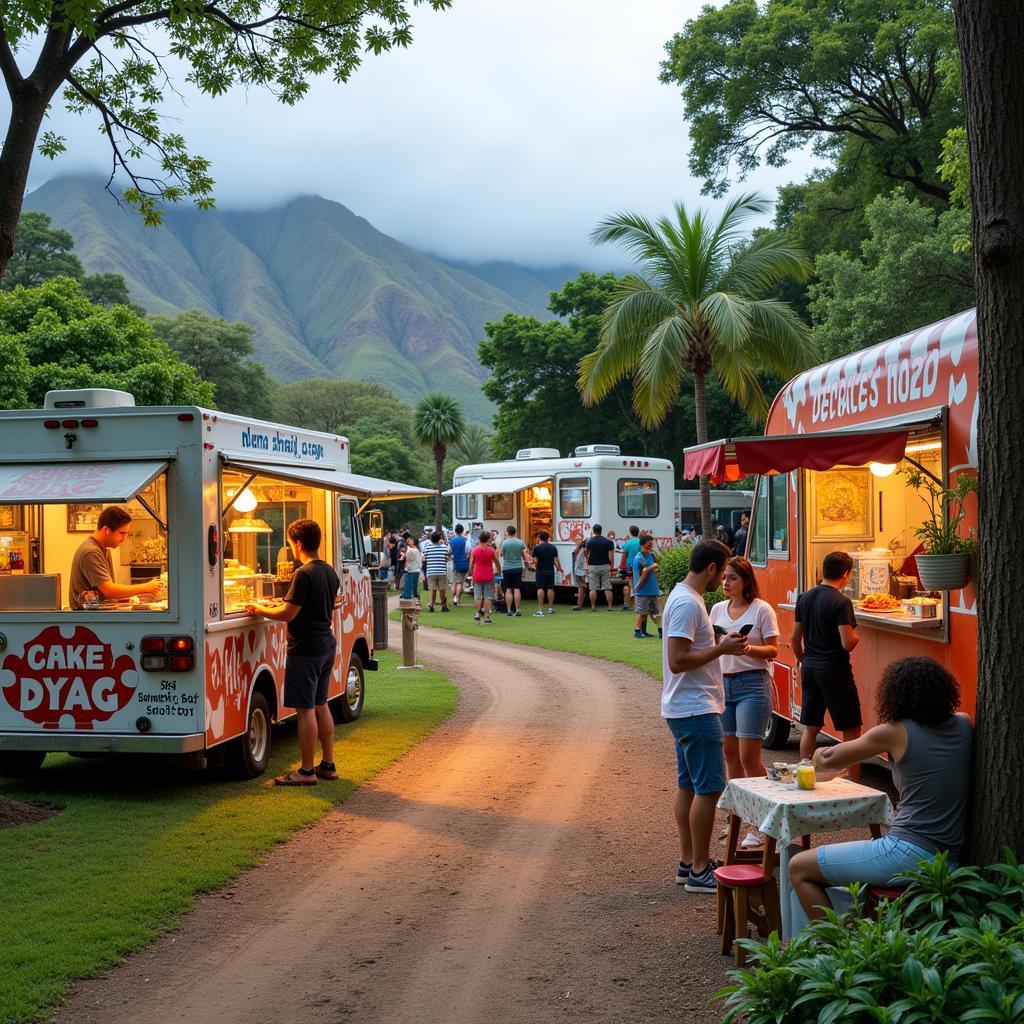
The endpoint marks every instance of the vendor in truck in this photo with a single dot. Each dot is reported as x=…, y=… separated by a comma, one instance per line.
x=92, y=568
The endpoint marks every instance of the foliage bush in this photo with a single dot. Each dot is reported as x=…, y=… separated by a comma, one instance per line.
x=673, y=565
x=950, y=951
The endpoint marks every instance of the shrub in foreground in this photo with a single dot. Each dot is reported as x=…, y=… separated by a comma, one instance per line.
x=951, y=951
x=673, y=565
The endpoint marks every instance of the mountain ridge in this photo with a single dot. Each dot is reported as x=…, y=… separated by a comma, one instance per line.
x=328, y=295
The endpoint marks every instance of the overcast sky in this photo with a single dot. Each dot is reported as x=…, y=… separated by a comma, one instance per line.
x=506, y=131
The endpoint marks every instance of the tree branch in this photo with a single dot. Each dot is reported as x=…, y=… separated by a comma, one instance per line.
x=8, y=65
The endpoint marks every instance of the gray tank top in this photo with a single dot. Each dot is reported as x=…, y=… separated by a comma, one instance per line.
x=933, y=781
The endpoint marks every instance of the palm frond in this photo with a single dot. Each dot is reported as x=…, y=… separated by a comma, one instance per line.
x=729, y=230
x=438, y=420
x=766, y=261
x=660, y=369
x=728, y=317
x=632, y=233
x=634, y=309
x=736, y=371
x=780, y=341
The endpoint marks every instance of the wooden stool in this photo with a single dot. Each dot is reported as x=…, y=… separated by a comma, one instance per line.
x=741, y=889
x=874, y=894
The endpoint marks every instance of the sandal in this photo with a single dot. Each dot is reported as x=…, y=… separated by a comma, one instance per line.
x=296, y=779
x=326, y=771
x=487, y=622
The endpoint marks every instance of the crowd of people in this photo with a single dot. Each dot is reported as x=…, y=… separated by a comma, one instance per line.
x=489, y=569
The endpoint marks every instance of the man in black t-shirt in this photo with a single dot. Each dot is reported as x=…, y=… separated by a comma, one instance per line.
x=598, y=553
x=309, y=611
x=545, y=562
x=824, y=635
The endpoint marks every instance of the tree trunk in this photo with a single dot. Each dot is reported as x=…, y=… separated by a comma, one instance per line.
x=991, y=38
x=439, y=457
x=27, y=111
x=701, y=409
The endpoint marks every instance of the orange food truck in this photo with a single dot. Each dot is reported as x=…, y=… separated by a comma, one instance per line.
x=832, y=475
x=184, y=672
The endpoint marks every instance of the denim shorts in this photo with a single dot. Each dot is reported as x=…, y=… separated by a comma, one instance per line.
x=748, y=704
x=871, y=861
x=700, y=763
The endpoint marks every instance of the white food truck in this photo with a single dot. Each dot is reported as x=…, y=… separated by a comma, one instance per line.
x=186, y=672
x=540, y=490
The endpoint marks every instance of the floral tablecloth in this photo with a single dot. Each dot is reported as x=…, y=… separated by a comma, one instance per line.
x=781, y=810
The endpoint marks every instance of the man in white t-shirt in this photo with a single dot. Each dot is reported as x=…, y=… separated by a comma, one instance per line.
x=692, y=701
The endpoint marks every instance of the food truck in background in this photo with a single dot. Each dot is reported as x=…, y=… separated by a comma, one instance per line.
x=190, y=673
x=540, y=490
x=727, y=506
x=837, y=440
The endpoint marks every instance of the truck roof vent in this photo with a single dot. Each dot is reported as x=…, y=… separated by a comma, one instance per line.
x=598, y=449
x=538, y=453
x=88, y=398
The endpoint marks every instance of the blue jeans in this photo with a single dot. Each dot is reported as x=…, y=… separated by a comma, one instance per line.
x=410, y=586
x=700, y=762
x=748, y=704
x=871, y=861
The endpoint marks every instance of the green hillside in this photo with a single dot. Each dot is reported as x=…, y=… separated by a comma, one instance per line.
x=327, y=294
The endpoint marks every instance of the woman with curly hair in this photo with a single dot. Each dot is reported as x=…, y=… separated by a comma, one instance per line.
x=929, y=748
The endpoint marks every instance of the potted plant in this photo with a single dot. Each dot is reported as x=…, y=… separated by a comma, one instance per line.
x=946, y=562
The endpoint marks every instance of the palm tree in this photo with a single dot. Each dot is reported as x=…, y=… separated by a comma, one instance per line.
x=438, y=423
x=697, y=308
x=475, y=446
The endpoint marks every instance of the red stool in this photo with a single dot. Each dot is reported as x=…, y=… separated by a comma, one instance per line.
x=742, y=888
x=874, y=894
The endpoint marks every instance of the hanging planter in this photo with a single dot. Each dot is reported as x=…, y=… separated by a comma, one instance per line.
x=944, y=572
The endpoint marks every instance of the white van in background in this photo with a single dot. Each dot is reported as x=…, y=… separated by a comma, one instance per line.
x=541, y=490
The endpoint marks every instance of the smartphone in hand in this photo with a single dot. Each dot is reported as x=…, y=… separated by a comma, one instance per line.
x=745, y=630
x=720, y=631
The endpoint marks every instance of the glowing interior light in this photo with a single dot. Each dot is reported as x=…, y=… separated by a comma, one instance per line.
x=882, y=468
x=246, y=501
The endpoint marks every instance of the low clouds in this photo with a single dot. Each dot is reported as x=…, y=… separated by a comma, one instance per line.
x=506, y=131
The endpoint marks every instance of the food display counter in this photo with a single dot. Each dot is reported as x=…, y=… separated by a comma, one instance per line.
x=242, y=586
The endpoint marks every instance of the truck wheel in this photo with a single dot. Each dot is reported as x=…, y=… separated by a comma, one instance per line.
x=251, y=751
x=776, y=734
x=20, y=762
x=349, y=706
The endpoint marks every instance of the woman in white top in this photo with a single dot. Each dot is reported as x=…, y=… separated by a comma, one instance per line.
x=748, y=694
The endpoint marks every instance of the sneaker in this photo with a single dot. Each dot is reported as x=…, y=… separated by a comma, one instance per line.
x=638, y=635
x=752, y=841
x=682, y=872
x=539, y=614
x=455, y=602
x=510, y=614
x=488, y=622
x=519, y=614
x=445, y=608
x=430, y=608
x=705, y=881
x=476, y=618
x=551, y=611
x=577, y=608
x=627, y=608
x=611, y=607
x=650, y=636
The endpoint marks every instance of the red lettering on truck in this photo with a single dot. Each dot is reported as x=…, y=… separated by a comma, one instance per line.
x=70, y=682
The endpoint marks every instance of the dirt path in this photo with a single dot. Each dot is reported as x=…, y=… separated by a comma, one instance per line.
x=516, y=866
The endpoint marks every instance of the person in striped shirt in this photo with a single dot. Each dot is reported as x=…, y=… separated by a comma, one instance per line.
x=435, y=558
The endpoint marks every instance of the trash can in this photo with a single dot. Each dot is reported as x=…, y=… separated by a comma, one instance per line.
x=379, y=590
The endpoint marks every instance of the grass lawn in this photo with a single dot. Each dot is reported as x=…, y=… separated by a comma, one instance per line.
x=601, y=634
x=137, y=840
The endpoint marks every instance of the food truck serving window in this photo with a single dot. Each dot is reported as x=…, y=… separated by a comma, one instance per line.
x=770, y=530
x=498, y=506
x=574, y=497
x=258, y=563
x=84, y=537
x=465, y=506
x=638, y=499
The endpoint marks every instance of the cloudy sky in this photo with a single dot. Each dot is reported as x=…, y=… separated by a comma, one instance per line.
x=506, y=131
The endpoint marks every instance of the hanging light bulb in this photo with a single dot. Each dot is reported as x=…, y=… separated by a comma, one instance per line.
x=882, y=468
x=246, y=501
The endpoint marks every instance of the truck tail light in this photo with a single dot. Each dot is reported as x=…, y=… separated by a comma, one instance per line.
x=170, y=653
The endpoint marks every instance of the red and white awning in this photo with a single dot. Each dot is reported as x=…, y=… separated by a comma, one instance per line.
x=733, y=459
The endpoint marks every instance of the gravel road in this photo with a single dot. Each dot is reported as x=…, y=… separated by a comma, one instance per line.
x=516, y=866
